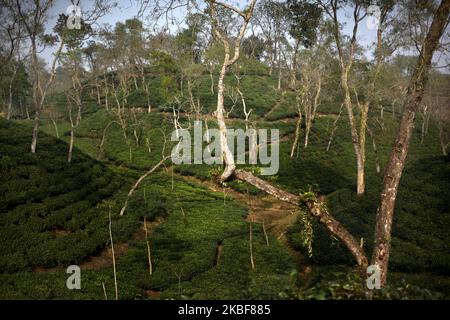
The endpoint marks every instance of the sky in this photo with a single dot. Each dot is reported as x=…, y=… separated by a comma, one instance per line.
x=127, y=9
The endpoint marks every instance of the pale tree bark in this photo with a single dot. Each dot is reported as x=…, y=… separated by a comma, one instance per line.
x=74, y=97
x=252, y=260
x=346, y=62
x=149, y=254
x=312, y=103
x=106, y=90
x=72, y=132
x=56, y=128
x=361, y=155
x=32, y=21
x=228, y=61
x=425, y=115
x=400, y=148
x=40, y=93
x=244, y=105
x=375, y=150
x=345, y=66
x=297, y=127
x=279, y=66
x=102, y=142
x=316, y=207
x=196, y=107
x=97, y=89
x=294, y=65
x=443, y=138
x=335, y=126
x=134, y=187
x=211, y=77
x=146, y=86
x=121, y=103
x=10, y=96
x=112, y=252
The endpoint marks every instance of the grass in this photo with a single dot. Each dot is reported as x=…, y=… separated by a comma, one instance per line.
x=49, y=213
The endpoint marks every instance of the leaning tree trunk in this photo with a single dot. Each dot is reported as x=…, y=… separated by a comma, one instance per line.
x=297, y=130
x=400, y=148
x=315, y=206
x=72, y=133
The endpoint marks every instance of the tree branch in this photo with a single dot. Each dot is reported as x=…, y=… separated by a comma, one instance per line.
x=316, y=208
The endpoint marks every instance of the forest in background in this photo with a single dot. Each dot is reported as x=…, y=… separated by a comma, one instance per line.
x=85, y=145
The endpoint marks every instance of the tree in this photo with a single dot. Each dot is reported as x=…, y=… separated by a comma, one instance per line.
x=347, y=55
x=312, y=203
x=400, y=148
x=73, y=59
x=222, y=36
x=32, y=15
x=271, y=16
x=10, y=31
x=304, y=20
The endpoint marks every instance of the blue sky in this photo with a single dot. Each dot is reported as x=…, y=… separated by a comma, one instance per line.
x=127, y=9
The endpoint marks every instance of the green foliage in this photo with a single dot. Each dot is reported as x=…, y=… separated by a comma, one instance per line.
x=307, y=233
x=336, y=283
x=48, y=209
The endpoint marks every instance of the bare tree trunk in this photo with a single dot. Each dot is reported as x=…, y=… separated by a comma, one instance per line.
x=361, y=157
x=113, y=255
x=147, y=93
x=311, y=111
x=72, y=133
x=39, y=98
x=145, y=175
x=211, y=69
x=354, y=134
x=316, y=208
x=424, y=114
x=100, y=146
x=294, y=65
x=37, y=117
x=375, y=150
x=136, y=125
x=26, y=110
x=297, y=129
x=104, y=291
x=97, y=87
x=265, y=233
x=106, y=90
x=228, y=61
x=442, y=139
x=56, y=128
x=226, y=153
x=279, y=67
x=400, y=148
x=244, y=105
x=11, y=81
x=252, y=261
x=149, y=256
x=335, y=126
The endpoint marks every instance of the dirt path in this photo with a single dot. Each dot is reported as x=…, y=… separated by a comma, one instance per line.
x=277, y=215
x=104, y=258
